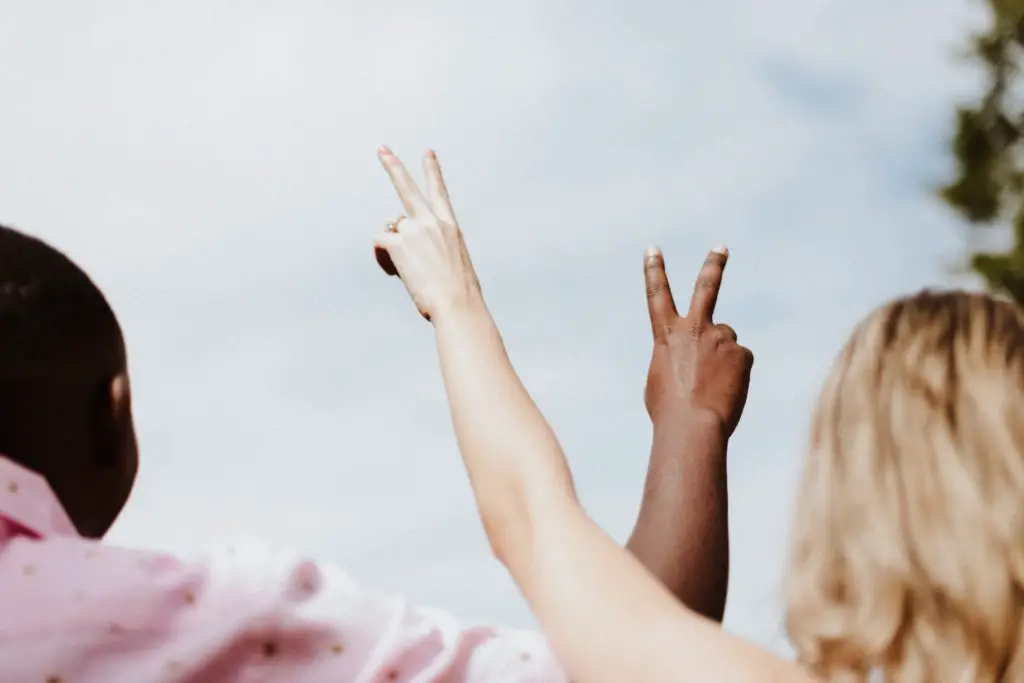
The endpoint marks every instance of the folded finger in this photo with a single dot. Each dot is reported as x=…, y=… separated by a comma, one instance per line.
x=709, y=281
x=660, y=305
x=410, y=196
x=437, y=191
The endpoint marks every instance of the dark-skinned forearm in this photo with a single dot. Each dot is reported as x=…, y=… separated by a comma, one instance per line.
x=682, y=532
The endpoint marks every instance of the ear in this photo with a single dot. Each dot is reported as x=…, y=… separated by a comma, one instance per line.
x=120, y=447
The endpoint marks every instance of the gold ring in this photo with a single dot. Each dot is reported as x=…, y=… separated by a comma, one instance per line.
x=393, y=225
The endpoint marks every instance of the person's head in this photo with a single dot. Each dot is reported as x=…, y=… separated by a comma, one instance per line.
x=65, y=408
x=908, y=549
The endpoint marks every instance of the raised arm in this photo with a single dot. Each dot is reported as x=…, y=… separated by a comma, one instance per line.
x=682, y=531
x=607, y=618
x=695, y=395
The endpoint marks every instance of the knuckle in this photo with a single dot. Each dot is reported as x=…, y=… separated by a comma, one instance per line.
x=655, y=289
x=707, y=282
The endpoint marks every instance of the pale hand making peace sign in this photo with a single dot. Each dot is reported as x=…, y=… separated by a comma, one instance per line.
x=424, y=247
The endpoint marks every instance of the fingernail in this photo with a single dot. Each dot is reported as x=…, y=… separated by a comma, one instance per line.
x=651, y=253
x=721, y=249
x=384, y=151
x=432, y=154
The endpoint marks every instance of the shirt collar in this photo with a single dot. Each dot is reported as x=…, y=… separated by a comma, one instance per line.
x=27, y=500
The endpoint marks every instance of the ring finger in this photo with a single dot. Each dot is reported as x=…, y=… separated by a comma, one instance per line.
x=392, y=226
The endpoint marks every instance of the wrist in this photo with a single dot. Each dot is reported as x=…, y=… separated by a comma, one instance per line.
x=691, y=440
x=687, y=453
x=685, y=420
x=467, y=308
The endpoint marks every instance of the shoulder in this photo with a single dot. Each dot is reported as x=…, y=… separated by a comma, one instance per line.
x=394, y=633
x=65, y=578
x=241, y=602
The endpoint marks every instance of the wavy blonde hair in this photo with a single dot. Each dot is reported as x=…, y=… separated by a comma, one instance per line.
x=908, y=550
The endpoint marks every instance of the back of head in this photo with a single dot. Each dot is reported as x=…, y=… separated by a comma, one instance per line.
x=908, y=550
x=60, y=350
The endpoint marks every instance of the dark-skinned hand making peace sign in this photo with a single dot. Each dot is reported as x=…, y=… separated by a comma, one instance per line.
x=697, y=365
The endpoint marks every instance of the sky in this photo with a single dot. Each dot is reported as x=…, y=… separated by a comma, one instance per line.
x=212, y=165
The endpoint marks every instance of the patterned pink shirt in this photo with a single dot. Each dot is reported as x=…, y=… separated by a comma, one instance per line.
x=76, y=611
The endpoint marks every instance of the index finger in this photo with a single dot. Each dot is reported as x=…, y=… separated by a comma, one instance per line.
x=410, y=196
x=709, y=281
x=660, y=305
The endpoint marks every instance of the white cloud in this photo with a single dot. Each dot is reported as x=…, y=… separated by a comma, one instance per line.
x=211, y=164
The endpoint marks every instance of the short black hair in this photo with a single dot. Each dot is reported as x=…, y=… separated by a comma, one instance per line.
x=55, y=323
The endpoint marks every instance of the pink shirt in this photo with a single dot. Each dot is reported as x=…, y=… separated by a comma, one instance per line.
x=75, y=611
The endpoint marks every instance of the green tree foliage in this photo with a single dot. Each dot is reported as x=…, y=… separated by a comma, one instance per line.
x=989, y=148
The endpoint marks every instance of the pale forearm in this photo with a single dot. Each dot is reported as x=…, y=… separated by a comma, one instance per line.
x=513, y=458
x=606, y=617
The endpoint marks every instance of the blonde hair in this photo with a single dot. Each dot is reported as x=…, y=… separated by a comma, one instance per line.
x=908, y=551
